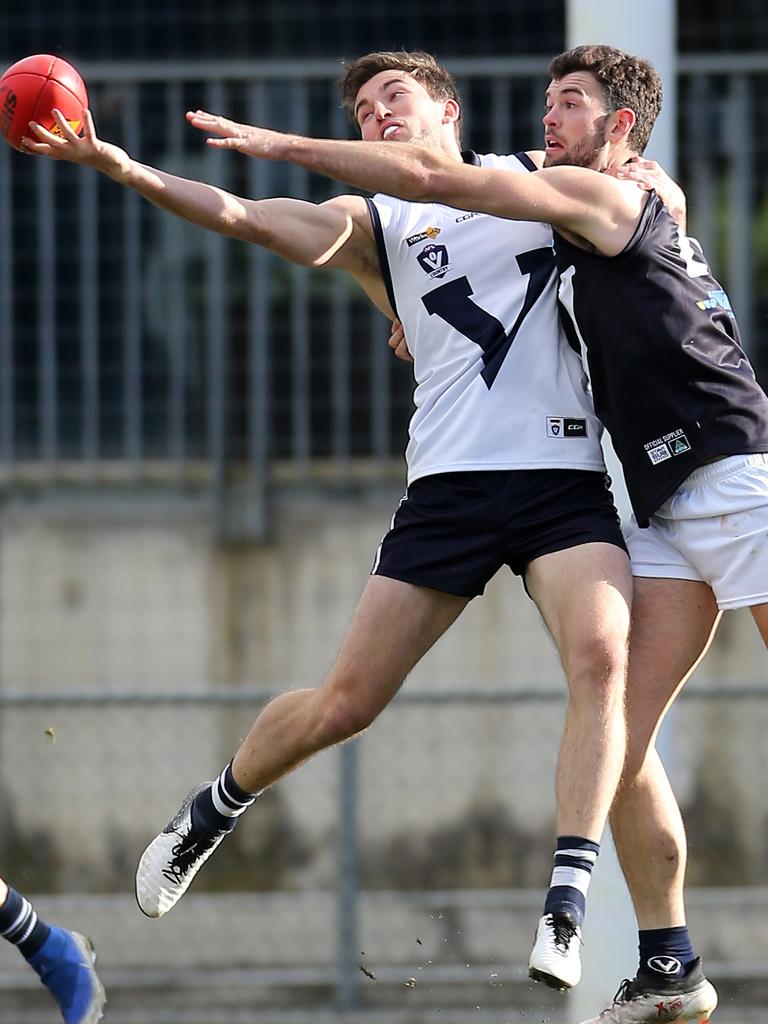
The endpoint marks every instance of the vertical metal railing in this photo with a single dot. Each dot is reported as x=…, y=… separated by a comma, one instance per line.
x=348, y=879
x=89, y=306
x=176, y=312
x=300, y=281
x=46, y=315
x=340, y=347
x=737, y=123
x=132, y=296
x=216, y=324
x=258, y=395
x=6, y=311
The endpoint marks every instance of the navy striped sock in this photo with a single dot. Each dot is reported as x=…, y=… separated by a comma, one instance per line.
x=217, y=808
x=574, y=859
x=666, y=951
x=20, y=925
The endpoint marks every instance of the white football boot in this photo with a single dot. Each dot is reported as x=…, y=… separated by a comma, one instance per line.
x=556, y=955
x=172, y=860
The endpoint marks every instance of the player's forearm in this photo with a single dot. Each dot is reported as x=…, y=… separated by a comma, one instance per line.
x=201, y=204
x=195, y=201
x=401, y=169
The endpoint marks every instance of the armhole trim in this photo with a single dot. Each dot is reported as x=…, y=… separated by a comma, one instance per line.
x=381, y=249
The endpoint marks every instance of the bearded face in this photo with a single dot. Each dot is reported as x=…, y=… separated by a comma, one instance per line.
x=582, y=153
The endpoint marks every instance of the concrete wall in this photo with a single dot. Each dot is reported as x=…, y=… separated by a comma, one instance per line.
x=134, y=595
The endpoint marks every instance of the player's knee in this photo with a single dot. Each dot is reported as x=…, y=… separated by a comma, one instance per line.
x=596, y=669
x=343, y=715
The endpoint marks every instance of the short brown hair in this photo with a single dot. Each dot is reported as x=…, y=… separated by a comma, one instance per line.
x=438, y=82
x=626, y=81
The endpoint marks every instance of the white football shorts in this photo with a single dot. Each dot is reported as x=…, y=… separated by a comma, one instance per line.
x=714, y=528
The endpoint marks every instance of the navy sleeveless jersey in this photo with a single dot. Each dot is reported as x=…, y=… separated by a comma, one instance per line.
x=670, y=380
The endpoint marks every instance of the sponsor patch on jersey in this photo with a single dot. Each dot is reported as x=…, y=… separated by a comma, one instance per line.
x=565, y=426
x=433, y=260
x=467, y=216
x=679, y=445
x=716, y=299
x=422, y=235
x=659, y=453
x=671, y=444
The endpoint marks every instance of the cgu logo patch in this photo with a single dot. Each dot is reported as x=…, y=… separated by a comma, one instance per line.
x=563, y=426
x=422, y=235
x=433, y=260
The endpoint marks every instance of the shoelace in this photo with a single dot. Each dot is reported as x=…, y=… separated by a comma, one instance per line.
x=185, y=853
x=624, y=993
x=564, y=932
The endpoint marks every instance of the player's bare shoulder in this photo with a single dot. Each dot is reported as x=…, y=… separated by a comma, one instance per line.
x=595, y=211
x=358, y=251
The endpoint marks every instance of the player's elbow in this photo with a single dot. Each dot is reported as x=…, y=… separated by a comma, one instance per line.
x=439, y=184
x=424, y=184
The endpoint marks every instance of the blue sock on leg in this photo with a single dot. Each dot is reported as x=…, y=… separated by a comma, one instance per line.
x=665, y=952
x=20, y=925
x=219, y=806
x=574, y=859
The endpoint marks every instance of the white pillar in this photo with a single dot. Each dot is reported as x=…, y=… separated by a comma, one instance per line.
x=648, y=29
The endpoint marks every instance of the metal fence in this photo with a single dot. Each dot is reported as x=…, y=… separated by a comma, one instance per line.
x=135, y=348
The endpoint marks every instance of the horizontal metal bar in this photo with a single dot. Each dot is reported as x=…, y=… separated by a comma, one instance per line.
x=232, y=695
x=290, y=70
x=722, y=63
x=287, y=70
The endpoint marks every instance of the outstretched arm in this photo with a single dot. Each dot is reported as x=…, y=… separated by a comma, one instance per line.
x=336, y=233
x=592, y=206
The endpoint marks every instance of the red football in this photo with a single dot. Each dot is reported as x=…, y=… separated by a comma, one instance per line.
x=31, y=88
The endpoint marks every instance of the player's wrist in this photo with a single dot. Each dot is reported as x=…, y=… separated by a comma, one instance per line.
x=116, y=163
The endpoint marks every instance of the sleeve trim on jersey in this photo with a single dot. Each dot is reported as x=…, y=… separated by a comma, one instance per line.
x=469, y=156
x=526, y=161
x=381, y=249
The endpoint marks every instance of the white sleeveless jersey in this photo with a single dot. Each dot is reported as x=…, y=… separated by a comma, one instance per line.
x=497, y=385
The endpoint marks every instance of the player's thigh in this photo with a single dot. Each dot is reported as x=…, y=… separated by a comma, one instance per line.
x=673, y=622
x=584, y=594
x=392, y=628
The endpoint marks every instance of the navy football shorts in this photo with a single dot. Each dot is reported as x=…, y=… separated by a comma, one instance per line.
x=454, y=531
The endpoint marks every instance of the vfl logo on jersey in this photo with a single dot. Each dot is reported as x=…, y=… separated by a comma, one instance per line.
x=663, y=448
x=716, y=299
x=429, y=233
x=562, y=426
x=433, y=260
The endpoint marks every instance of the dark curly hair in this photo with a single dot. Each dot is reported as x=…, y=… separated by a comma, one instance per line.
x=438, y=82
x=626, y=81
